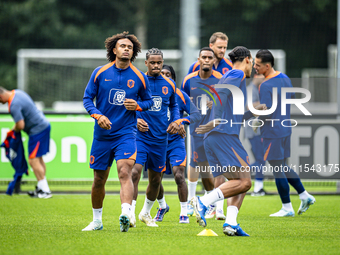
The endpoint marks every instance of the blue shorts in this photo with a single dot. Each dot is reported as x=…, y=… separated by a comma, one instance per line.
x=176, y=156
x=152, y=156
x=257, y=147
x=104, y=151
x=197, y=151
x=224, y=151
x=276, y=148
x=39, y=144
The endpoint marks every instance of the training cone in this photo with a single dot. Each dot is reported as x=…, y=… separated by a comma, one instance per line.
x=207, y=232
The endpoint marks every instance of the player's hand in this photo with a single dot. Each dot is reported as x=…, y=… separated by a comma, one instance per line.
x=142, y=125
x=130, y=104
x=172, y=128
x=104, y=122
x=210, y=104
x=202, y=129
x=10, y=134
x=256, y=124
x=260, y=107
x=181, y=131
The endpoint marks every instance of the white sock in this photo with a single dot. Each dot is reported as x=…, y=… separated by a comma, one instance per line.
x=147, y=206
x=126, y=209
x=162, y=203
x=97, y=214
x=288, y=207
x=212, y=197
x=191, y=189
x=258, y=185
x=304, y=195
x=43, y=185
x=133, y=207
x=231, y=218
x=219, y=205
x=206, y=192
x=184, y=208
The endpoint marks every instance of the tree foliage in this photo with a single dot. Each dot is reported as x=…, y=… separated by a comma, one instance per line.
x=303, y=28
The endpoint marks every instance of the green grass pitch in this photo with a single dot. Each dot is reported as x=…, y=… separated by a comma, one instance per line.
x=53, y=226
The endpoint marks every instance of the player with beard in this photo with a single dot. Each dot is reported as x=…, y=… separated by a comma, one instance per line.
x=276, y=138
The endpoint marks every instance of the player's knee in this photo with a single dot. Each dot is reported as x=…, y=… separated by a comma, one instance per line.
x=246, y=185
x=124, y=173
x=34, y=162
x=179, y=175
x=155, y=181
x=99, y=181
x=135, y=174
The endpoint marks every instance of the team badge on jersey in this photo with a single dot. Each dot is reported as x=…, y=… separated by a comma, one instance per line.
x=165, y=90
x=225, y=69
x=157, y=104
x=130, y=83
x=117, y=96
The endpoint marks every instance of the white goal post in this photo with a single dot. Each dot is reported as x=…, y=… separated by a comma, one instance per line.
x=54, y=75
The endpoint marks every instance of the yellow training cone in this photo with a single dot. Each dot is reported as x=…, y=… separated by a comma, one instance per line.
x=207, y=232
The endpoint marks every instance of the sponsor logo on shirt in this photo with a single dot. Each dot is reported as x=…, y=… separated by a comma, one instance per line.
x=117, y=96
x=157, y=104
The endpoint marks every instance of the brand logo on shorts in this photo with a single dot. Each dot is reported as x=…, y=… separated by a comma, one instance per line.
x=157, y=104
x=92, y=158
x=130, y=83
x=117, y=96
x=127, y=153
x=161, y=167
x=165, y=90
x=108, y=80
x=178, y=160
